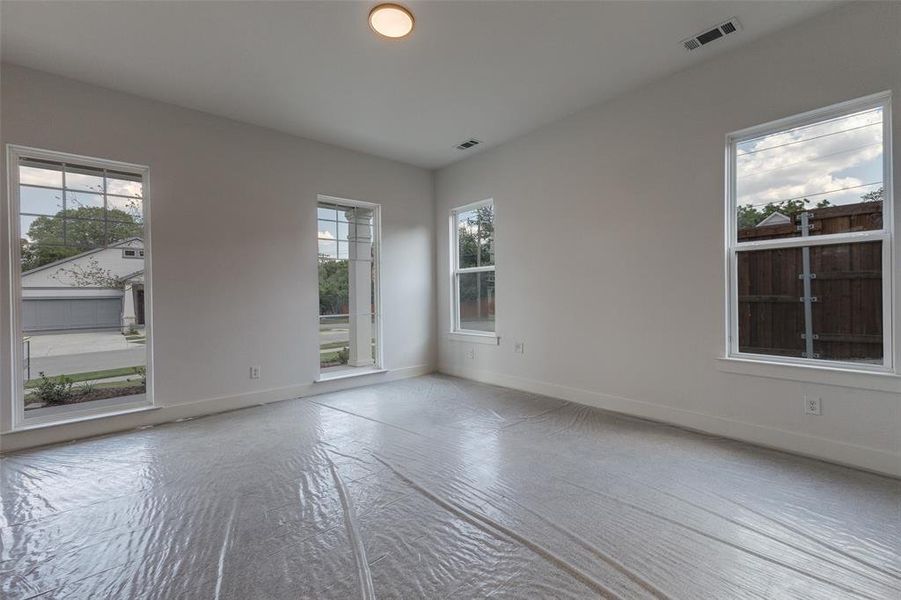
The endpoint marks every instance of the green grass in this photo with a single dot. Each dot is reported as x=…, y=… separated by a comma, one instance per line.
x=89, y=375
x=330, y=345
x=119, y=384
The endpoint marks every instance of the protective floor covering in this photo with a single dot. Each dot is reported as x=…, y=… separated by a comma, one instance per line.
x=439, y=488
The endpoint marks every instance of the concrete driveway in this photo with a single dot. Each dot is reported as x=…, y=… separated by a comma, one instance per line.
x=66, y=353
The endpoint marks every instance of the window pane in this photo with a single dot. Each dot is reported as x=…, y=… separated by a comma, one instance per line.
x=84, y=178
x=109, y=364
x=328, y=230
x=41, y=230
x=124, y=184
x=832, y=170
x=476, y=301
x=84, y=205
x=125, y=209
x=847, y=316
x=342, y=231
x=846, y=302
x=116, y=232
x=37, y=172
x=86, y=234
x=770, y=311
x=40, y=201
x=476, y=237
x=333, y=287
x=327, y=212
x=328, y=249
x=342, y=250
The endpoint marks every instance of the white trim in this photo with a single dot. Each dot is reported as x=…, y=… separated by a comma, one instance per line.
x=456, y=270
x=11, y=441
x=377, y=264
x=820, y=448
x=78, y=416
x=468, y=336
x=877, y=235
x=13, y=154
x=348, y=373
x=885, y=236
x=880, y=381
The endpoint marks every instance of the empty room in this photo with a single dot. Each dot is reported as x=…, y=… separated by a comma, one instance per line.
x=450, y=299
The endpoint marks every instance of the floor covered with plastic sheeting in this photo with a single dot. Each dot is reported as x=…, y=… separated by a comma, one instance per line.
x=437, y=487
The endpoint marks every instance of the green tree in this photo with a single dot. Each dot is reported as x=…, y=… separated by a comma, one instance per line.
x=333, y=289
x=72, y=231
x=476, y=237
x=874, y=196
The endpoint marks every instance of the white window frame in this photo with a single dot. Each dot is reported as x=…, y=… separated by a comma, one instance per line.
x=379, y=359
x=19, y=420
x=885, y=236
x=455, y=271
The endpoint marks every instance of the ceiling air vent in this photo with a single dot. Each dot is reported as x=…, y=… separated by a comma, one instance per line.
x=468, y=144
x=723, y=29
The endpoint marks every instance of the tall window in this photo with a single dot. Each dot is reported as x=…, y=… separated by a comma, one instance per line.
x=81, y=310
x=810, y=235
x=473, y=263
x=348, y=285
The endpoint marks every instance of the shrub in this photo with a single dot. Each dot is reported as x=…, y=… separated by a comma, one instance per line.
x=142, y=371
x=343, y=355
x=54, y=391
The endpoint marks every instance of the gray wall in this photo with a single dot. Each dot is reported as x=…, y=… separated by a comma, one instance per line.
x=234, y=243
x=610, y=247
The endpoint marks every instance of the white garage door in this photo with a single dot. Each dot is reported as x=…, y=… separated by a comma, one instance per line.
x=67, y=314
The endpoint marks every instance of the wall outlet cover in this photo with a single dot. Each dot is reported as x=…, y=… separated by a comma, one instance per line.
x=812, y=405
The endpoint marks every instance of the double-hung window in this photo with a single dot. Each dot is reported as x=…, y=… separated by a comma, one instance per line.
x=473, y=268
x=810, y=235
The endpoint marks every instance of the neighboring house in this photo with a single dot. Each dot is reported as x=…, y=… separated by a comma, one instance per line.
x=98, y=289
x=777, y=218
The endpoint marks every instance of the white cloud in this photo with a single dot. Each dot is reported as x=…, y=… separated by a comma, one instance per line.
x=811, y=160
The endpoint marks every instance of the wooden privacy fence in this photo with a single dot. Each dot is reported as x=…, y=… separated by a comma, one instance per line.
x=846, y=289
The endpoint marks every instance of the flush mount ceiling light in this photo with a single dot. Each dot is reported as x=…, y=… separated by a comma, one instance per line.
x=391, y=20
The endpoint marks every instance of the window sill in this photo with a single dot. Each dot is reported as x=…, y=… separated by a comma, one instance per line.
x=822, y=375
x=348, y=374
x=81, y=416
x=489, y=339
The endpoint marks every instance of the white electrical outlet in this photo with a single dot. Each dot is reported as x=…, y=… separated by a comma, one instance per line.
x=255, y=372
x=471, y=354
x=519, y=347
x=812, y=406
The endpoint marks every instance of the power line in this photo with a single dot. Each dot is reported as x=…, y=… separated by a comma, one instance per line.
x=817, y=137
x=815, y=158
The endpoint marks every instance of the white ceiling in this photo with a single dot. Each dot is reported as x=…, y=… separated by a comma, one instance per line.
x=490, y=70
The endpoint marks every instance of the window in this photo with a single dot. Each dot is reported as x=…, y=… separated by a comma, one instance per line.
x=810, y=236
x=81, y=301
x=348, y=285
x=473, y=268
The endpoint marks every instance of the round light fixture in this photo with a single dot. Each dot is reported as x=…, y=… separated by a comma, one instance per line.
x=391, y=20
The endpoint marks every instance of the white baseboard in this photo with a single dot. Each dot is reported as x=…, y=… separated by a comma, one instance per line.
x=67, y=432
x=852, y=455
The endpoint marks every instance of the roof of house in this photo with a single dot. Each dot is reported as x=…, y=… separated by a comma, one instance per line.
x=777, y=218
x=63, y=261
